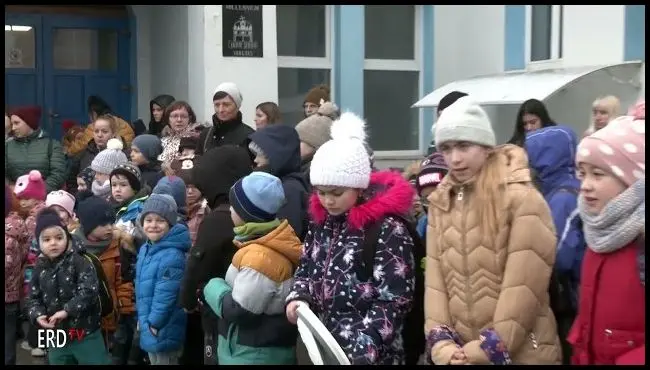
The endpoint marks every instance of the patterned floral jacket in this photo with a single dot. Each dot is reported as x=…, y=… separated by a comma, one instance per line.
x=364, y=314
x=15, y=255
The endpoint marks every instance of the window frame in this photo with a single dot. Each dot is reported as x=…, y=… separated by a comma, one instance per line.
x=557, y=36
x=406, y=65
x=326, y=62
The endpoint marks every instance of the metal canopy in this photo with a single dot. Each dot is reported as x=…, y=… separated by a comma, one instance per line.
x=517, y=87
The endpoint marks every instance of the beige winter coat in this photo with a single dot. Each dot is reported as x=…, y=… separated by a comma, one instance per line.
x=476, y=282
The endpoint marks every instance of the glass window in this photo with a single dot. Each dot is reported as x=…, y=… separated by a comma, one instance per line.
x=20, y=46
x=540, y=47
x=390, y=31
x=85, y=49
x=293, y=85
x=387, y=100
x=301, y=30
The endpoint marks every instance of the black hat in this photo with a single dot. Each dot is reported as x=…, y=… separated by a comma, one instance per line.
x=132, y=174
x=48, y=218
x=93, y=212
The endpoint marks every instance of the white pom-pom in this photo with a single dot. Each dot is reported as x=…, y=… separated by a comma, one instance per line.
x=349, y=126
x=115, y=144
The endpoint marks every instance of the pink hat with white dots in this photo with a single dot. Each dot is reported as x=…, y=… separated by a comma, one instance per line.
x=618, y=148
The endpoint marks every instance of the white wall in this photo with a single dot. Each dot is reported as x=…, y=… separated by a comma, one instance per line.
x=469, y=41
x=257, y=78
x=143, y=49
x=593, y=35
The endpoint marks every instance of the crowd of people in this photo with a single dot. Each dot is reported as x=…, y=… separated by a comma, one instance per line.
x=179, y=242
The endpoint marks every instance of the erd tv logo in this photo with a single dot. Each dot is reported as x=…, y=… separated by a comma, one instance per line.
x=58, y=338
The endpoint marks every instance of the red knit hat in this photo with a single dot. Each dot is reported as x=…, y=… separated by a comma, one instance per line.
x=31, y=114
x=31, y=186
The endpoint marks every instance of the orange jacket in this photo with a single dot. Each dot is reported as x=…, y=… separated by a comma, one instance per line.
x=123, y=293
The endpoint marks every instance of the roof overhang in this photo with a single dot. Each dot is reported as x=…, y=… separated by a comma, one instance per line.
x=517, y=87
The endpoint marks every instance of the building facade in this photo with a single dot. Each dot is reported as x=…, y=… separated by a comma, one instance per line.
x=378, y=60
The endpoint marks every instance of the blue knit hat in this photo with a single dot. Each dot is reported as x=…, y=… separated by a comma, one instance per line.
x=257, y=197
x=161, y=204
x=173, y=186
x=149, y=145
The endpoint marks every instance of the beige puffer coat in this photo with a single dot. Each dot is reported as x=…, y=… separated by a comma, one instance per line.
x=476, y=282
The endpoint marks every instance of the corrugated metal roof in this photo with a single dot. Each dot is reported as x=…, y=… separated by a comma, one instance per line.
x=511, y=88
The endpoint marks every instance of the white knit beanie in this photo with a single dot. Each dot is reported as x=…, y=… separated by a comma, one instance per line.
x=464, y=120
x=343, y=161
x=232, y=90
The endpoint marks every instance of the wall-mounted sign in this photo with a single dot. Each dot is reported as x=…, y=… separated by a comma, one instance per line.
x=242, y=31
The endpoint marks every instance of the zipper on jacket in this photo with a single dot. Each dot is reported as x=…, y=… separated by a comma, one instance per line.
x=459, y=198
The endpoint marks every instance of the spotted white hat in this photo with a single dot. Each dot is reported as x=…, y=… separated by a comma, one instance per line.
x=618, y=148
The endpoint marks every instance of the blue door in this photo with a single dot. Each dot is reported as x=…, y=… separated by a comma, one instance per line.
x=71, y=58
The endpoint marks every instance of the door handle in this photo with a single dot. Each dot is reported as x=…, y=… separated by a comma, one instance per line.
x=53, y=114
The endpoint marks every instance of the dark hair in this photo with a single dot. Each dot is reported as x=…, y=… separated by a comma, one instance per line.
x=176, y=106
x=271, y=110
x=219, y=95
x=449, y=99
x=98, y=105
x=530, y=106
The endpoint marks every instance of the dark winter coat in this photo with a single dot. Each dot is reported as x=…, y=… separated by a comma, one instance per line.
x=214, y=173
x=68, y=283
x=163, y=101
x=364, y=314
x=234, y=132
x=151, y=173
x=281, y=146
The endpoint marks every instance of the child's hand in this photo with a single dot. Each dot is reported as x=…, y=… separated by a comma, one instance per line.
x=58, y=316
x=42, y=321
x=292, y=311
x=459, y=358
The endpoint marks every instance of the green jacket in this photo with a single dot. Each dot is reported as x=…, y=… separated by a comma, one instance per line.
x=31, y=153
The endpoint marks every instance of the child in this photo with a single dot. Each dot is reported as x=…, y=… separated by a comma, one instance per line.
x=15, y=254
x=144, y=154
x=610, y=326
x=128, y=191
x=103, y=164
x=30, y=191
x=197, y=205
x=255, y=288
x=63, y=203
x=175, y=187
x=63, y=294
x=313, y=132
x=85, y=179
x=432, y=170
x=186, y=150
x=490, y=251
x=365, y=314
x=99, y=237
x=159, y=271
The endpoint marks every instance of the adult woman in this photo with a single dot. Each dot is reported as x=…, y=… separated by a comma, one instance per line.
x=267, y=113
x=532, y=116
x=487, y=274
x=157, y=108
x=603, y=110
x=98, y=107
x=33, y=149
x=181, y=122
x=104, y=128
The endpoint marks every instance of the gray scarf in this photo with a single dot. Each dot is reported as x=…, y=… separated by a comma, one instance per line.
x=619, y=223
x=101, y=190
